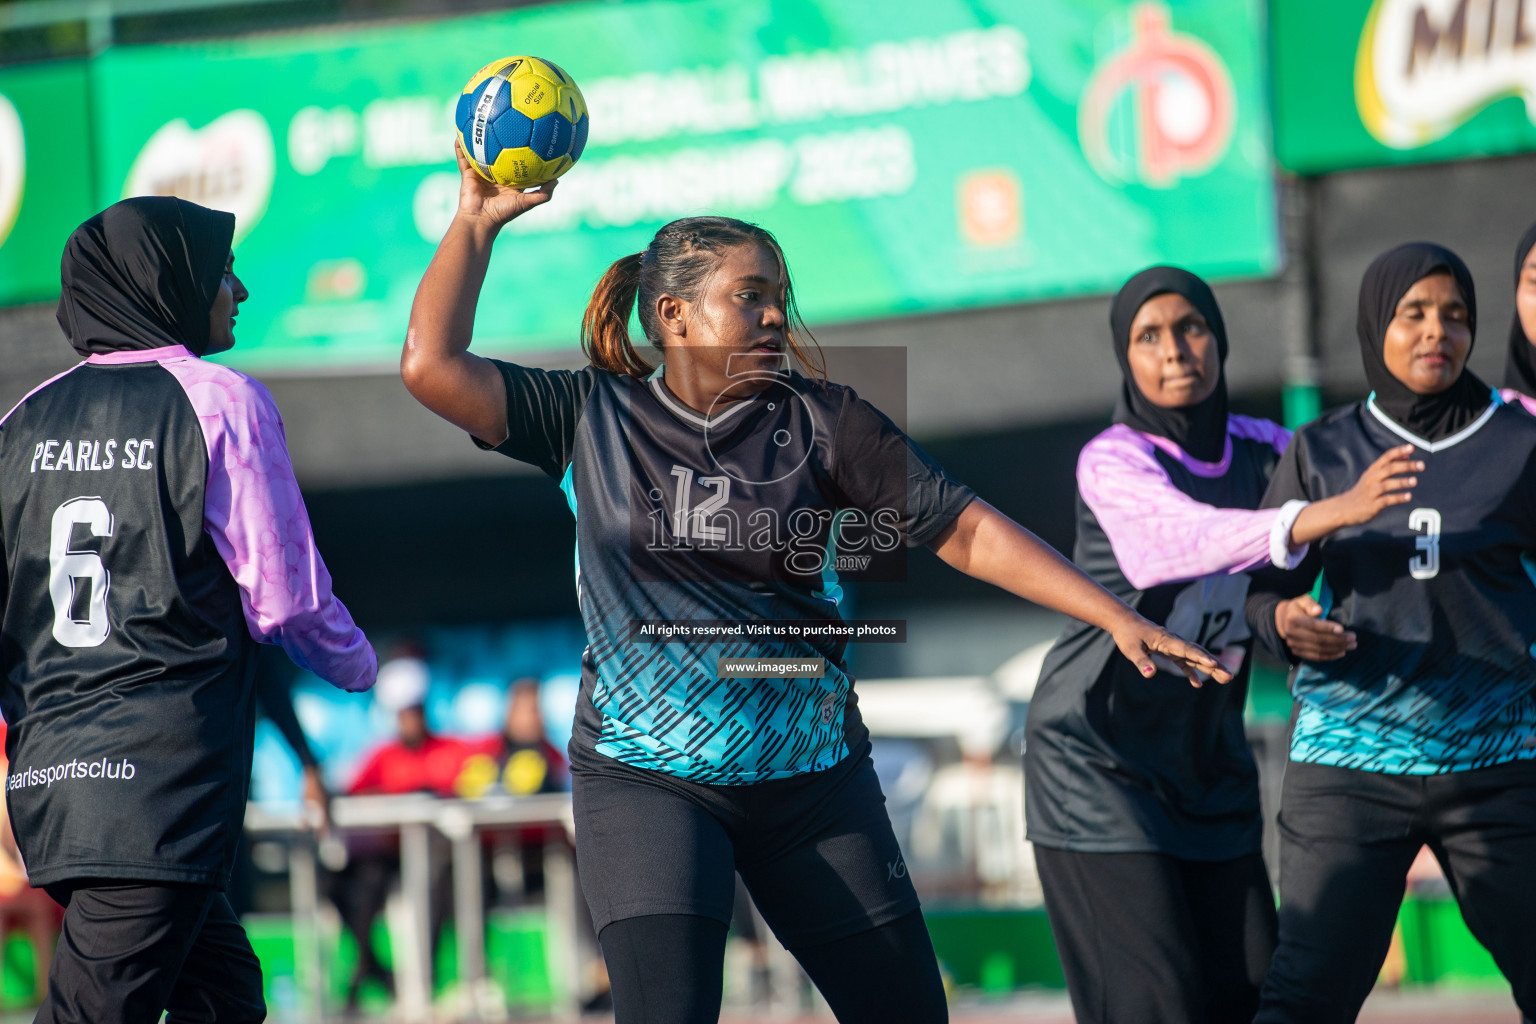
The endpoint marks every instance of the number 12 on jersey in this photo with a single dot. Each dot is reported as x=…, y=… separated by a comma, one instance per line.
x=1426, y=564
x=694, y=522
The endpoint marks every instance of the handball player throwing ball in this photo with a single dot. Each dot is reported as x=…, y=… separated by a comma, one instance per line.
x=681, y=777
x=153, y=534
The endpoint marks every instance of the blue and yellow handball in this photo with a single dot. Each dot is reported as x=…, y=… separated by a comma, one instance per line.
x=522, y=121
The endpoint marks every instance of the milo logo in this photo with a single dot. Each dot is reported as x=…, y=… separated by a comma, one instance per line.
x=1425, y=67
x=228, y=165
x=13, y=166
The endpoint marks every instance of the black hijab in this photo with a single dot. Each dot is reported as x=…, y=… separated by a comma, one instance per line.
x=1520, y=363
x=1199, y=429
x=1386, y=281
x=143, y=273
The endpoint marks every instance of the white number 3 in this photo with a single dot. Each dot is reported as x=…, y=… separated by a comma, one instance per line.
x=1426, y=564
x=68, y=570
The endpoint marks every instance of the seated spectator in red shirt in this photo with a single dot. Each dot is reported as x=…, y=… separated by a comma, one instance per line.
x=416, y=760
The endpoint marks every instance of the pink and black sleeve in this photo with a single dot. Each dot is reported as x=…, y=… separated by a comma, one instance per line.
x=257, y=520
x=1158, y=533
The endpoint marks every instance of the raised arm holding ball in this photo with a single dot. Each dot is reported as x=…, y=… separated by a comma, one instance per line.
x=681, y=777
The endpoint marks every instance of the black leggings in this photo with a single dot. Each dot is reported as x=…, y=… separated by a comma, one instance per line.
x=669, y=968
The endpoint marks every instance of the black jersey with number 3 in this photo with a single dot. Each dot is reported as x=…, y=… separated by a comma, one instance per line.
x=1438, y=591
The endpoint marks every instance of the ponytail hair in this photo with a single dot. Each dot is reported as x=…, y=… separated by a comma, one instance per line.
x=605, y=326
x=679, y=261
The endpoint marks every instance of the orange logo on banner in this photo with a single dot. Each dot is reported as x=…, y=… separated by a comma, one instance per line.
x=991, y=208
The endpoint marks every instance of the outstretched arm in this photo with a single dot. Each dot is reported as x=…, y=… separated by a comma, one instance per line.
x=1160, y=534
x=436, y=365
x=255, y=515
x=1384, y=483
x=988, y=545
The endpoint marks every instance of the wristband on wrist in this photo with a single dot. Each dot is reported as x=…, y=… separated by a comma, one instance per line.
x=1280, y=554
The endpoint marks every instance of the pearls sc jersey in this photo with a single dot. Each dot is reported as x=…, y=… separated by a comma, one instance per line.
x=1439, y=592
x=750, y=515
x=152, y=532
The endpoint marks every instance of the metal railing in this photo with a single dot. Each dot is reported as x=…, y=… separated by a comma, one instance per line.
x=414, y=817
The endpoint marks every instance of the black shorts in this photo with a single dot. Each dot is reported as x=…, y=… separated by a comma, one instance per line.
x=816, y=851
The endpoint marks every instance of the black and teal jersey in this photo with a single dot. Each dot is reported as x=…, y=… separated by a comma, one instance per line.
x=1439, y=592
x=752, y=514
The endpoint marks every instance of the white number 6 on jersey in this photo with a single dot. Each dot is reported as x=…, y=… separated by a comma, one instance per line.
x=1426, y=564
x=67, y=569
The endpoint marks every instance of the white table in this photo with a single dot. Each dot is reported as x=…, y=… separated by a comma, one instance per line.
x=461, y=822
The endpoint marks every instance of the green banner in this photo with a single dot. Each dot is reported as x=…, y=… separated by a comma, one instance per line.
x=1361, y=83
x=45, y=174
x=910, y=156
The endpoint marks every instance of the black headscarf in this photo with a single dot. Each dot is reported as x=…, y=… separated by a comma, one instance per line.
x=1520, y=363
x=1199, y=429
x=143, y=273
x=1386, y=281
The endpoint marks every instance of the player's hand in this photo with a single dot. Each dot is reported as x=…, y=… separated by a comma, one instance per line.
x=1139, y=640
x=317, y=801
x=1384, y=484
x=1380, y=487
x=1309, y=636
x=495, y=204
